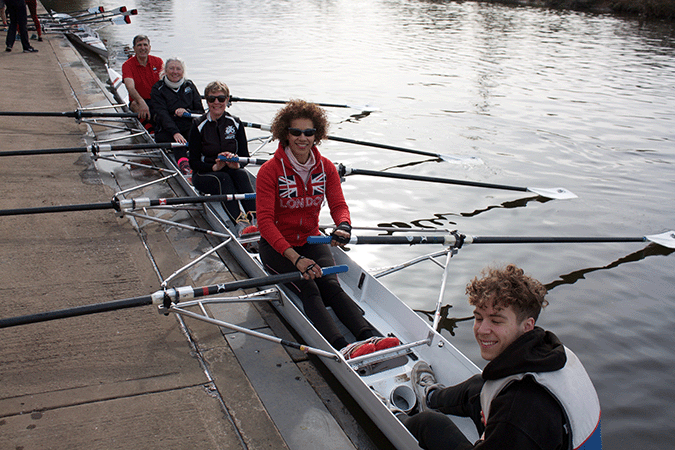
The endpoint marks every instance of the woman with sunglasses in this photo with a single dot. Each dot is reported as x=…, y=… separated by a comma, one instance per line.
x=217, y=133
x=290, y=189
x=174, y=98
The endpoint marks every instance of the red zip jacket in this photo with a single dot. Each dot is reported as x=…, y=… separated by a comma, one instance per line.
x=287, y=209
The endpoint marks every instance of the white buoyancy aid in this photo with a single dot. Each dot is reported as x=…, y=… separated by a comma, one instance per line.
x=572, y=388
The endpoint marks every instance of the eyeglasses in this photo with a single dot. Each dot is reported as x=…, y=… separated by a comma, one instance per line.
x=213, y=98
x=309, y=132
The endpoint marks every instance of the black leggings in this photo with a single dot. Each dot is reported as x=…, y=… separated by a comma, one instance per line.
x=435, y=431
x=321, y=292
x=228, y=181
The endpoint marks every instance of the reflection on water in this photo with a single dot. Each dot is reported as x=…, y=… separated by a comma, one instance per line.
x=445, y=323
x=649, y=250
x=543, y=98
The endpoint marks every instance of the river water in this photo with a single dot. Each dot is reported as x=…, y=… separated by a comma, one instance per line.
x=543, y=98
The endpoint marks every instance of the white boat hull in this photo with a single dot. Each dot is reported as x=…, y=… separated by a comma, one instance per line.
x=80, y=34
x=386, y=312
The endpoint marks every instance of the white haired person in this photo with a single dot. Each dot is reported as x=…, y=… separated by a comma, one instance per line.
x=174, y=99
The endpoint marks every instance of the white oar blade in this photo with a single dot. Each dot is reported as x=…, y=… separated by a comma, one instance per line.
x=461, y=159
x=365, y=109
x=553, y=193
x=120, y=20
x=666, y=239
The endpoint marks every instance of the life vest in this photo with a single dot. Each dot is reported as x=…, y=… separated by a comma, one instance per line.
x=574, y=391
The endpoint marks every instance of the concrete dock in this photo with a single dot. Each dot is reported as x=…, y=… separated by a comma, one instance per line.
x=129, y=379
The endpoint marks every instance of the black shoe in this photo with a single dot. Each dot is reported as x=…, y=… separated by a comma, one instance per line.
x=31, y=50
x=8, y=49
x=39, y=38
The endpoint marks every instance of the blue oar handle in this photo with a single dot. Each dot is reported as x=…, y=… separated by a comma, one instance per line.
x=319, y=240
x=334, y=269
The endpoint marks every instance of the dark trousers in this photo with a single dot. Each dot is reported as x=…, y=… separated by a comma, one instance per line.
x=321, y=292
x=228, y=181
x=18, y=18
x=32, y=7
x=435, y=431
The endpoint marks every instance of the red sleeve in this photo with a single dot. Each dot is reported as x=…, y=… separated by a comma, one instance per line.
x=339, y=210
x=266, y=197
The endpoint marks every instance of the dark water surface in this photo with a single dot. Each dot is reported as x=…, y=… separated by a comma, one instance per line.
x=543, y=98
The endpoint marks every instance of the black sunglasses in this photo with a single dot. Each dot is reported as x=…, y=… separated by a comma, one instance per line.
x=213, y=98
x=309, y=132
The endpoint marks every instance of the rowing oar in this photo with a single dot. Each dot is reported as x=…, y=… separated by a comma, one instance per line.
x=93, y=148
x=283, y=102
x=552, y=193
x=92, y=10
x=244, y=160
x=67, y=27
x=91, y=15
x=127, y=204
x=666, y=239
x=77, y=114
x=107, y=15
x=447, y=158
x=89, y=12
x=168, y=298
x=123, y=19
x=115, y=19
x=88, y=19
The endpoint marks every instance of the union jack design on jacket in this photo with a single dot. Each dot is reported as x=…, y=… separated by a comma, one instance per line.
x=288, y=188
x=288, y=208
x=318, y=183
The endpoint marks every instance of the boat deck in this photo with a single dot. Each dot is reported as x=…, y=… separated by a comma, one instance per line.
x=135, y=378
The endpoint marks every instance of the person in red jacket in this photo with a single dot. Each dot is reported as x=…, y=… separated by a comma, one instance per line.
x=290, y=189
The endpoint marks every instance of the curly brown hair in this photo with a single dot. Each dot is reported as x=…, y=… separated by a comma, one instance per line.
x=508, y=286
x=299, y=109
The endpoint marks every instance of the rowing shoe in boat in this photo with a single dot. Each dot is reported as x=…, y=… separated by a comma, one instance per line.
x=370, y=378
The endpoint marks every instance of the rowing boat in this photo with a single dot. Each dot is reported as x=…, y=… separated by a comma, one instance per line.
x=369, y=378
x=88, y=38
x=80, y=34
x=82, y=29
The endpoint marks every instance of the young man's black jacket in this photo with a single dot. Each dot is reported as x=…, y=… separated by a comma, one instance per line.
x=524, y=415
